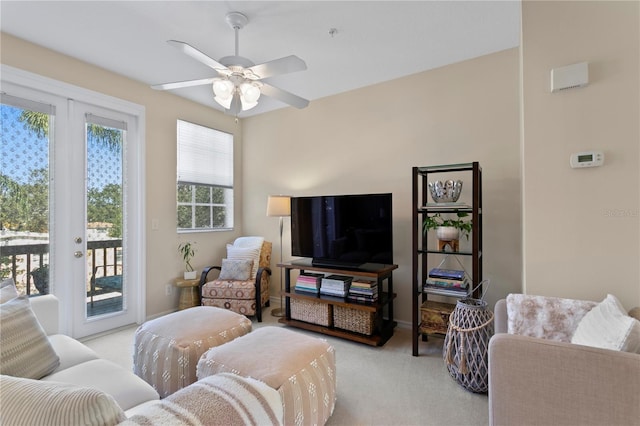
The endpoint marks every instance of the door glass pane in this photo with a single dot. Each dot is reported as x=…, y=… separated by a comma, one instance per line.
x=24, y=198
x=105, y=280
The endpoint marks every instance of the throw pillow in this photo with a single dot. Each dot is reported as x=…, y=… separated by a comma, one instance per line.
x=248, y=242
x=543, y=317
x=35, y=402
x=239, y=270
x=8, y=290
x=25, y=350
x=223, y=398
x=608, y=326
x=245, y=253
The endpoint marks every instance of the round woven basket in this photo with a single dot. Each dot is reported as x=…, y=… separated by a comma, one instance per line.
x=466, y=344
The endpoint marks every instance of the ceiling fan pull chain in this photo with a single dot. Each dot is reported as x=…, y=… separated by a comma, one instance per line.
x=236, y=30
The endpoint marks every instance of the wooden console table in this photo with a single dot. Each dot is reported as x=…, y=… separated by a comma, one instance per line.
x=382, y=310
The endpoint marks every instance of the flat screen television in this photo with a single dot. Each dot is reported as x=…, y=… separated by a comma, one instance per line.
x=343, y=231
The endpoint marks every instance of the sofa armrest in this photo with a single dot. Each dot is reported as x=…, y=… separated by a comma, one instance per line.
x=500, y=323
x=537, y=381
x=46, y=309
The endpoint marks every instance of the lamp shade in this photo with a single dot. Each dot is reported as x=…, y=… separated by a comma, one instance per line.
x=279, y=205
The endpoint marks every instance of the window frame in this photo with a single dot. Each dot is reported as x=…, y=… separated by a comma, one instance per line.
x=191, y=156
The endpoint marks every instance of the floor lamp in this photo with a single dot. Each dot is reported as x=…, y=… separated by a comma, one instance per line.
x=280, y=206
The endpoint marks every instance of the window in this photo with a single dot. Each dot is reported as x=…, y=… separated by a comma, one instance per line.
x=205, y=178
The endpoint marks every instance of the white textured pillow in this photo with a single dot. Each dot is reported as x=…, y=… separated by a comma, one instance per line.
x=36, y=402
x=245, y=253
x=8, y=290
x=608, y=326
x=239, y=270
x=25, y=350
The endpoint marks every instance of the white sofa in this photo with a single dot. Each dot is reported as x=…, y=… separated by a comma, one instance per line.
x=86, y=390
x=79, y=365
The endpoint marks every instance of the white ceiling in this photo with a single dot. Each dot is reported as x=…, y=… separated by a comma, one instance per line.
x=375, y=41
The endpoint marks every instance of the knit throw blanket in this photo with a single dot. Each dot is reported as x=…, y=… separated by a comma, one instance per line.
x=221, y=399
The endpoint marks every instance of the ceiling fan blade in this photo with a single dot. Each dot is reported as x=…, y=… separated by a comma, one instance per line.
x=283, y=96
x=181, y=84
x=279, y=66
x=189, y=50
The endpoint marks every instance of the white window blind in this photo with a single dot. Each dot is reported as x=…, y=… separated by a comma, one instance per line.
x=205, y=156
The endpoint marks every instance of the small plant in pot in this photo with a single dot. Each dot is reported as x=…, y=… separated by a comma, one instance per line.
x=187, y=250
x=448, y=228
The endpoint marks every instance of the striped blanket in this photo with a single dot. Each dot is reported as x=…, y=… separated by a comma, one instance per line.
x=221, y=399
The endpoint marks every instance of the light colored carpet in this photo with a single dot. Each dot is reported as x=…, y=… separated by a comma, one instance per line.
x=376, y=385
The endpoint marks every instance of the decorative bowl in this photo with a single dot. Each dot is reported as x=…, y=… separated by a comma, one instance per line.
x=445, y=192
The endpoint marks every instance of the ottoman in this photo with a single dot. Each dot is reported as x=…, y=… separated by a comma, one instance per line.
x=167, y=349
x=301, y=368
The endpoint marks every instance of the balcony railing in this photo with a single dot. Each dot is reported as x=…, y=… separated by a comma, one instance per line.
x=28, y=265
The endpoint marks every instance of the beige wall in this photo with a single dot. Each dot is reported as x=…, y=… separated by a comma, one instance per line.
x=162, y=111
x=368, y=140
x=580, y=234
x=581, y=227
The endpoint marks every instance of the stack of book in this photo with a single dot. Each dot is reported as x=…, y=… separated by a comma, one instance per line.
x=335, y=285
x=308, y=283
x=447, y=282
x=363, y=291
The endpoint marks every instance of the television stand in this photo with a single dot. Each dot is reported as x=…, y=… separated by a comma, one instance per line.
x=320, y=263
x=378, y=315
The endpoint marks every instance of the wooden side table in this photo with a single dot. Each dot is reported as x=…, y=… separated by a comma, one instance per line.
x=189, y=293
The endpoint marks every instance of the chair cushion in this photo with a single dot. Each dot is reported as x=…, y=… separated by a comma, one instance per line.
x=36, y=402
x=127, y=389
x=236, y=269
x=229, y=289
x=608, y=326
x=25, y=350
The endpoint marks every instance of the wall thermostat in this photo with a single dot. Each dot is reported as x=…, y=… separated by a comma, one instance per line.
x=586, y=159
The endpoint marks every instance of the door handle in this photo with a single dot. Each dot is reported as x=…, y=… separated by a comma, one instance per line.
x=78, y=254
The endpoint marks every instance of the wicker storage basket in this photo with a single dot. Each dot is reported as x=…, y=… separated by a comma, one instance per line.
x=434, y=317
x=309, y=311
x=466, y=344
x=353, y=320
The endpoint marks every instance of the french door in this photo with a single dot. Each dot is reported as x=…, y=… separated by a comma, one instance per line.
x=95, y=252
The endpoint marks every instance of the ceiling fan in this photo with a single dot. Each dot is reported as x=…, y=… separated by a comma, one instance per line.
x=239, y=84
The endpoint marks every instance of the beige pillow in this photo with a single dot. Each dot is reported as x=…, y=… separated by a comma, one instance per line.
x=608, y=326
x=36, y=402
x=8, y=290
x=25, y=350
x=245, y=253
x=236, y=269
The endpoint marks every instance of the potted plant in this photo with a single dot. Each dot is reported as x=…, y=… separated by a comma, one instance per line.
x=448, y=229
x=187, y=250
x=41, y=279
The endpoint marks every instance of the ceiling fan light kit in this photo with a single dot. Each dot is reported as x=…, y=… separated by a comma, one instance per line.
x=237, y=87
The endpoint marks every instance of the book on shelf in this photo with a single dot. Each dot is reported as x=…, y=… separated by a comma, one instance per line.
x=309, y=282
x=445, y=291
x=360, y=283
x=306, y=291
x=370, y=291
x=444, y=282
x=333, y=292
x=451, y=274
x=361, y=299
x=335, y=285
x=337, y=280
